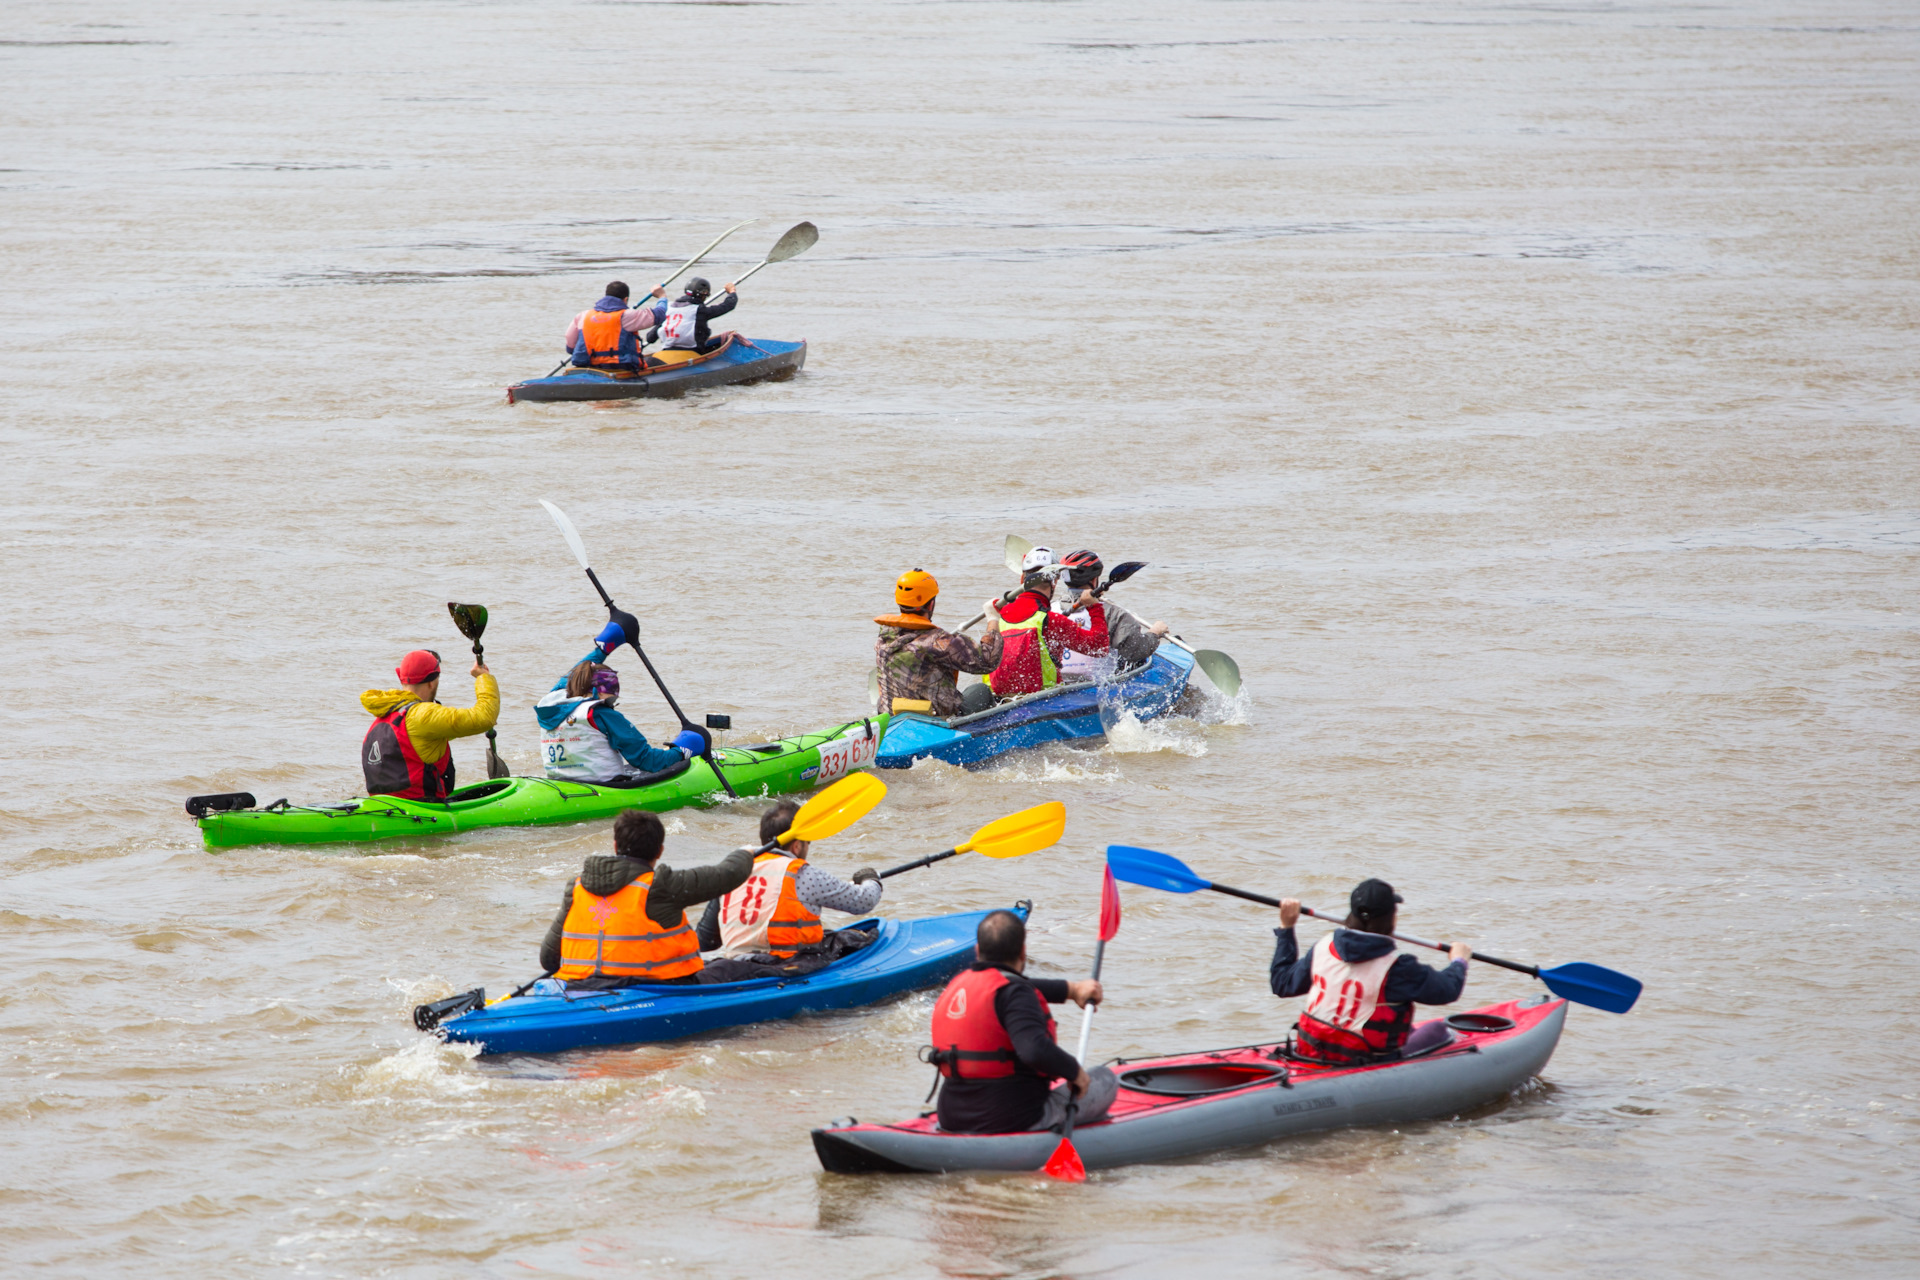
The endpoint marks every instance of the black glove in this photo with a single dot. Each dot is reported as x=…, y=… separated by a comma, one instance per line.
x=864, y=874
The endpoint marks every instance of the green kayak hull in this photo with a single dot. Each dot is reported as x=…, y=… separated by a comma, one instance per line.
x=764, y=769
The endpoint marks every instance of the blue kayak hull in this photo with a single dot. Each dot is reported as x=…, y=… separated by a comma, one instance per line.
x=908, y=955
x=739, y=360
x=1065, y=716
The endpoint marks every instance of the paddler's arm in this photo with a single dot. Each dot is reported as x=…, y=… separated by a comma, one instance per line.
x=674, y=891
x=1290, y=974
x=1410, y=980
x=822, y=890
x=1027, y=1028
x=431, y=722
x=631, y=743
x=550, y=945
x=598, y=655
x=708, y=930
x=1065, y=631
x=963, y=653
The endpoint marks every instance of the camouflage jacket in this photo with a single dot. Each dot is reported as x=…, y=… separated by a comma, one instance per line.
x=927, y=665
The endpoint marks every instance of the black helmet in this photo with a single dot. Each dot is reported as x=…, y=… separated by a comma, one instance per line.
x=1083, y=570
x=699, y=288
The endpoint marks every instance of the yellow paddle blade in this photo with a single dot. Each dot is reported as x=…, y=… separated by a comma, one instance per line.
x=837, y=808
x=1020, y=833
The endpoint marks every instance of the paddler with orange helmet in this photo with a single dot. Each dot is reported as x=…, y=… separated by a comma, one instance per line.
x=623, y=920
x=995, y=1042
x=405, y=752
x=921, y=664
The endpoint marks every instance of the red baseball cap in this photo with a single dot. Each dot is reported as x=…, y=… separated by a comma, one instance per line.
x=418, y=667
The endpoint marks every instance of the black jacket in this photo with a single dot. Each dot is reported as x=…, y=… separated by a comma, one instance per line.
x=1012, y=1104
x=670, y=894
x=702, y=334
x=1408, y=981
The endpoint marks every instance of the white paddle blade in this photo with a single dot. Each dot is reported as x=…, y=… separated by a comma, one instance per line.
x=567, y=531
x=801, y=237
x=1016, y=551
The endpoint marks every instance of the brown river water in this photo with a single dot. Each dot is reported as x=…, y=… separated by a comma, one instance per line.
x=1523, y=393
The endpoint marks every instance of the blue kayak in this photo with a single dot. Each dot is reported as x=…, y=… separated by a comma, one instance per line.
x=907, y=955
x=735, y=360
x=1061, y=714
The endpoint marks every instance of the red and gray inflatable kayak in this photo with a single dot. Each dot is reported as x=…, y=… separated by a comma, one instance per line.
x=1197, y=1103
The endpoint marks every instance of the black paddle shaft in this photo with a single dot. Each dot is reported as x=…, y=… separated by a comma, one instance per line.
x=1531, y=970
x=927, y=861
x=633, y=639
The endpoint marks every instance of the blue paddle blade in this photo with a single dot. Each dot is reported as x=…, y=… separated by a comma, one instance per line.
x=1153, y=870
x=1592, y=985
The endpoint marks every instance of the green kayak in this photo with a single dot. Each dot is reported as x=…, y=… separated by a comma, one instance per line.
x=764, y=769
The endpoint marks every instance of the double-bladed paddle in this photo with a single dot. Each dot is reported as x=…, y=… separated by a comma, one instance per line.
x=630, y=628
x=678, y=272
x=1013, y=836
x=832, y=811
x=1582, y=983
x=472, y=621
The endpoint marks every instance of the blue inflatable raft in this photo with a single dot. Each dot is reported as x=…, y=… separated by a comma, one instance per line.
x=907, y=955
x=1058, y=715
x=735, y=360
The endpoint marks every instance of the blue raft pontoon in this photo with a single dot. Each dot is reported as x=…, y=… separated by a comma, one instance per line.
x=735, y=360
x=907, y=955
x=1060, y=714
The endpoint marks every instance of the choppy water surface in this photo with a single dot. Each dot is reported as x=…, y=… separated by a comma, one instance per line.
x=1523, y=393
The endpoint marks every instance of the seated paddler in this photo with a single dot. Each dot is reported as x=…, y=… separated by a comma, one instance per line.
x=919, y=664
x=774, y=918
x=1361, y=989
x=623, y=919
x=1131, y=642
x=608, y=334
x=684, y=322
x=584, y=739
x=996, y=1043
x=406, y=751
x=1033, y=638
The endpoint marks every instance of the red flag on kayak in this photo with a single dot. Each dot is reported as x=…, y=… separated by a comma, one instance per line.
x=1109, y=907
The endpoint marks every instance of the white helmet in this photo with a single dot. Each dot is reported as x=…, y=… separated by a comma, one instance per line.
x=1036, y=560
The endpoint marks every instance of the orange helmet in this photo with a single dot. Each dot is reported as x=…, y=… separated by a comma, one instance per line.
x=915, y=590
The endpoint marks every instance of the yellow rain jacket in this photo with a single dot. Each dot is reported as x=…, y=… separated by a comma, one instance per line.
x=432, y=726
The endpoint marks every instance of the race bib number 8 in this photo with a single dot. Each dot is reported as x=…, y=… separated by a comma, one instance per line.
x=843, y=755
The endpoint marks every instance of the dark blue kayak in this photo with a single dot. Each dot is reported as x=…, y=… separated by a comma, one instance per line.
x=1058, y=715
x=908, y=954
x=736, y=360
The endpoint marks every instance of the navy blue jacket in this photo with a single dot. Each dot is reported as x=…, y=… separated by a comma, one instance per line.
x=1408, y=981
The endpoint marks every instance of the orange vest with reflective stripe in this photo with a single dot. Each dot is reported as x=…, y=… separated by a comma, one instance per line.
x=766, y=914
x=613, y=937
x=606, y=338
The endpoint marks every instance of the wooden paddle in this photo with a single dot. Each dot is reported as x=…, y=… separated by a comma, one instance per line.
x=630, y=627
x=1582, y=983
x=681, y=270
x=472, y=621
x=1013, y=836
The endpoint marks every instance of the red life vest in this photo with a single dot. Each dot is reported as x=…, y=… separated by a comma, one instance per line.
x=1027, y=661
x=606, y=340
x=392, y=766
x=1345, y=1022
x=969, y=1042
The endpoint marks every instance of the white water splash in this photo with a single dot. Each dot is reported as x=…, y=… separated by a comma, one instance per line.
x=1127, y=734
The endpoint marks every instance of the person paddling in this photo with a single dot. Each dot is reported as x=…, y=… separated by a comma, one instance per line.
x=919, y=662
x=775, y=916
x=1130, y=641
x=1033, y=638
x=623, y=919
x=584, y=739
x=996, y=1045
x=607, y=335
x=683, y=322
x=1362, y=990
x=405, y=751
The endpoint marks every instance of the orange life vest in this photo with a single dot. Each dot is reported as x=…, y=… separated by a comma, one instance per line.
x=1345, y=1021
x=969, y=1042
x=605, y=337
x=613, y=937
x=765, y=913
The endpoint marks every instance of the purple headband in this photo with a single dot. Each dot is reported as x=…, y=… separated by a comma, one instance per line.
x=606, y=682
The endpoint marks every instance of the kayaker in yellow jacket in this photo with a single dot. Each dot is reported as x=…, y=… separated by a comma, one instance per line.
x=405, y=752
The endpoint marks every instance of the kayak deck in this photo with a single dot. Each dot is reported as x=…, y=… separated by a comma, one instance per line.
x=907, y=955
x=1196, y=1103
x=737, y=359
x=1062, y=714
x=797, y=763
